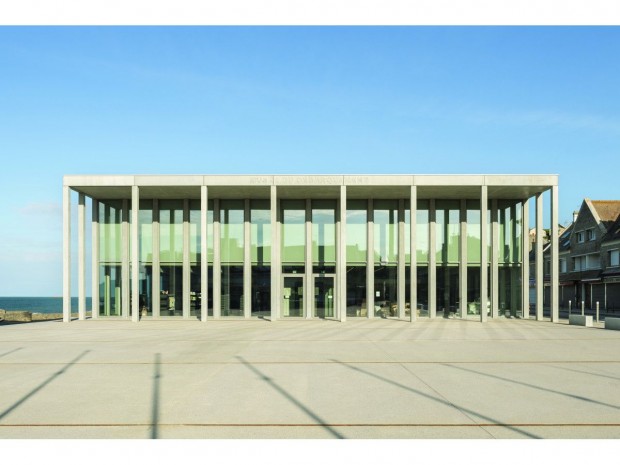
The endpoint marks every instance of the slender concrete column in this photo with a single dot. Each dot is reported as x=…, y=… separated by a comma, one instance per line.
x=66, y=254
x=525, y=259
x=308, y=291
x=341, y=276
x=463, y=260
x=432, y=261
x=217, y=261
x=135, y=254
x=204, y=254
x=81, y=257
x=275, y=254
x=370, y=261
x=156, y=282
x=495, y=249
x=95, y=260
x=539, y=257
x=186, y=264
x=413, y=278
x=125, y=258
x=400, y=287
x=247, y=262
x=555, y=263
x=484, y=291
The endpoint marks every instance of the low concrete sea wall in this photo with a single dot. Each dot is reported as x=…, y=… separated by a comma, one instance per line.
x=23, y=316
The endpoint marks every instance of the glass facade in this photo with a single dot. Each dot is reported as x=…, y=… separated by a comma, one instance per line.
x=170, y=234
x=110, y=257
x=447, y=238
x=260, y=255
x=171, y=257
x=232, y=214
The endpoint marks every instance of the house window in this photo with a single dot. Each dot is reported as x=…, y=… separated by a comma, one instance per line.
x=580, y=237
x=590, y=233
x=579, y=263
x=593, y=261
x=562, y=265
x=614, y=257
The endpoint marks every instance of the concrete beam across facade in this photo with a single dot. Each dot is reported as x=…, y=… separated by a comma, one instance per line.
x=305, y=246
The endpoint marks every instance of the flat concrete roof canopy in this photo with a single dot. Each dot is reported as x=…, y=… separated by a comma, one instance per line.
x=311, y=186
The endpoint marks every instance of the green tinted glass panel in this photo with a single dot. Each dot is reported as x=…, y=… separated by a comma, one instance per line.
x=324, y=231
x=171, y=231
x=260, y=231
x=407, y=236
x=421, y=231
x=194, y=231
x=473, y=231
x=447, y=230
x=357, y=231
x=210, y=232
x=231, y=219
x=110, y=241
x=293, y=217
x=509, y=218
x=386, y=231
x=145, y=220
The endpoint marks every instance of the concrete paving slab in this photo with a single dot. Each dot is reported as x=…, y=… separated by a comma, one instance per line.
x=377, y=378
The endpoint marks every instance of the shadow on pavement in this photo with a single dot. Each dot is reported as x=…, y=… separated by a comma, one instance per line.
x=42, y=385
x=435, y=399
x=292, y=399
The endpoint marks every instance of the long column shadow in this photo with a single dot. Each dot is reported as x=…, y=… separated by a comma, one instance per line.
x=291, y=399
x=42, y=385
x=438, y=400
x=533, y=386
x=10, y=352
x=155, y=401
x=586, y=372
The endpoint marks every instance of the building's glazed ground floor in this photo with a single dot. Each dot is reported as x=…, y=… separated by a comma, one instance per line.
x=307, y=247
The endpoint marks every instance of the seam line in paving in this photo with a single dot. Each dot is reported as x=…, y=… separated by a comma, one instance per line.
x=305, y=425
x=353, y=362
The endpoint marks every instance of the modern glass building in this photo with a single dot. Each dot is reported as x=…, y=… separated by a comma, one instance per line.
x=306, y=247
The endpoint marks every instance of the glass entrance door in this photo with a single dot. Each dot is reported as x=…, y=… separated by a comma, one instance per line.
x=292, y=296
x=324, y=296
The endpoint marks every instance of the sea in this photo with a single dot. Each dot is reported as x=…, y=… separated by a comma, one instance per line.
x=39, y=304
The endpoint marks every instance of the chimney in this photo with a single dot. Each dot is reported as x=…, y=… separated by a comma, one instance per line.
x=575, y=215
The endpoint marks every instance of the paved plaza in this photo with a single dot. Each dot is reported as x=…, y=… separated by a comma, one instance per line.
x=309, y=379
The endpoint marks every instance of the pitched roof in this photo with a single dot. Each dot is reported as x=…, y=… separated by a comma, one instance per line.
x=608, y=211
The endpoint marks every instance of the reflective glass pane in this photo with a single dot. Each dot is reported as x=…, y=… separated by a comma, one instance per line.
x=110, y=241
x=171, y=231
x=385, y=231
x=261, y=291
x=260, y=231
x=447, y=230
x=293, y=217
x=386, y=291
x=232, y=291
x=293, y=296
x=323, y=231
x=194, y=231
x=422, y=218
x=473, y=231
x=357, y=231
x=356, y=291
x=231, y=219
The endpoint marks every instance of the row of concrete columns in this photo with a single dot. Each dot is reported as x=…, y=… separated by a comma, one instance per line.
x=276, y=264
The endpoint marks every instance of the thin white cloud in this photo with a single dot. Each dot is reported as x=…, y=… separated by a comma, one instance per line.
x=48, y=209
x=547, y=118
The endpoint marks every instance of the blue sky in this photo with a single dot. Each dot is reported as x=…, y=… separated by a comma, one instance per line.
x=116, y=100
